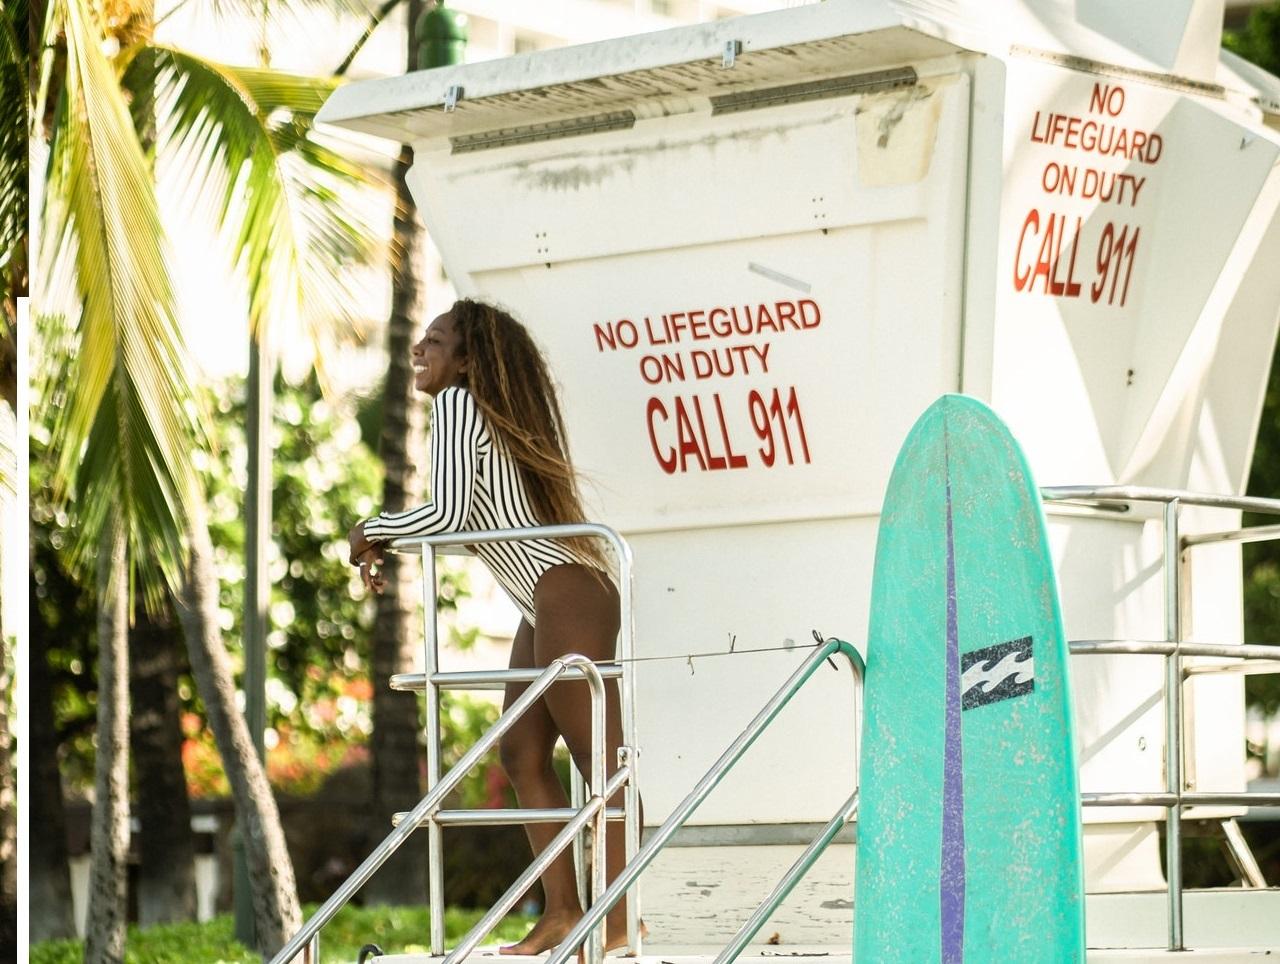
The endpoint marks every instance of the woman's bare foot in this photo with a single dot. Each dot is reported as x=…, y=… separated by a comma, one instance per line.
x=554, y=928
x=546, y=934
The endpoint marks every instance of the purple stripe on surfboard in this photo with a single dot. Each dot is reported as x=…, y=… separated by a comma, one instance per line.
x=952, y=882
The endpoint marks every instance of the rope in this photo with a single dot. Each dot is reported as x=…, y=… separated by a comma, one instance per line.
x=688, y=658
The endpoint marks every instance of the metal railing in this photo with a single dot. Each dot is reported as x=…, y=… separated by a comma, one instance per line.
x=637, y=865
x=432, y=681
x=1247, y=659
x=584, y=810
x=593, y=812
x=571, y=666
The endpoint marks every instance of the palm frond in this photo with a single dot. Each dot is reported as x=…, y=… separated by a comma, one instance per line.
x=213, y=129
x=281, y=13
x=14, y=106
x=122, y=437
x=13, y=32
x=272, y=90
x=240, y=138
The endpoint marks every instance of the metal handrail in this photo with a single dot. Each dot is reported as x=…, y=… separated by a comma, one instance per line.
x=1173, y=648
x=1142, y=493
x=628, y=875
x=431, y=681
x=499, y=817
x=309, y=932
x=592, y=810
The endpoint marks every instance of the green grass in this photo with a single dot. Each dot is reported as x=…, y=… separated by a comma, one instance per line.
x=395, y=929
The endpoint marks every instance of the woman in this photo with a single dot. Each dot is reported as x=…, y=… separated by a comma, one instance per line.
x=499, y=460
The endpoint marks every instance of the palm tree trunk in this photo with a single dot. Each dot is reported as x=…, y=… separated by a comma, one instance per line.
x=49, y=876
x=277, y=915
x=166, y=845
x=109, y=834
x=394, y=750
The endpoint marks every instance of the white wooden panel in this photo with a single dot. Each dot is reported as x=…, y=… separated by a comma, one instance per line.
x=626, y=255
x=1100, y=335
x=777, y=583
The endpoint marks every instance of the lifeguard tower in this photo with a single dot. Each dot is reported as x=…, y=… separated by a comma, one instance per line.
x=755, y=250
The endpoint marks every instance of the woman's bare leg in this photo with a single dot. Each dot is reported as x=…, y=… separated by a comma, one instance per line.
x=578, y=613
x=526, y=756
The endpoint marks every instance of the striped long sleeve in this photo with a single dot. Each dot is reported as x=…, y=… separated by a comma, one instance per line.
x=456, y=432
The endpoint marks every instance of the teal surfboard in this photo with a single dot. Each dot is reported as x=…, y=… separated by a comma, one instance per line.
x=969, y=814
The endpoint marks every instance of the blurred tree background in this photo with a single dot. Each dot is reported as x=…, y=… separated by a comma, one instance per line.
x=319, y=713
x=1259, y=42
x=324, y=476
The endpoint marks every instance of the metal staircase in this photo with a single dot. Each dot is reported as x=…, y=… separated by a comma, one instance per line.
x=588, y=808
x=588, y=811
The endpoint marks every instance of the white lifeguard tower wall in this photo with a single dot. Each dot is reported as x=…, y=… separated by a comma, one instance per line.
x=749, y=290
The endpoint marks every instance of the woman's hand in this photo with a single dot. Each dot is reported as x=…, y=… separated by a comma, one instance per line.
x=367, y=555
x=358, y=543
x=371, y=574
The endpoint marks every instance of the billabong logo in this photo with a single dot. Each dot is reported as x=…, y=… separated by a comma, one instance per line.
x=996, y=673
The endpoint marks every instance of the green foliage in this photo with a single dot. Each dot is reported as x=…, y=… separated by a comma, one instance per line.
x=165, y=943
x=1259, y=43
x=463, y=720
x=320, y=619
x=318, y=645
x=323, y=480
x=14, y=106
x=63, y=619
x=1259, y=40
x=394, y=929
x=404, y=930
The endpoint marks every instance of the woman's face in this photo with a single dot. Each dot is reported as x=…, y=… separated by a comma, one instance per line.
x=438, y=361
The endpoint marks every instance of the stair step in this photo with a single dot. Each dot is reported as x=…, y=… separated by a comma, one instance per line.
x=1222, y=926
x=498, y=817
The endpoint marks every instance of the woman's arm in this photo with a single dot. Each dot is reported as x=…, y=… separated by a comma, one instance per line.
x=455, y=440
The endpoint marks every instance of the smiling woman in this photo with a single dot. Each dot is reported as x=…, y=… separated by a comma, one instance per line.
x=499, y=460
x=438, y=361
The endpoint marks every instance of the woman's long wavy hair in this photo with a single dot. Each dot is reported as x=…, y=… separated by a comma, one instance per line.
x=508, y=377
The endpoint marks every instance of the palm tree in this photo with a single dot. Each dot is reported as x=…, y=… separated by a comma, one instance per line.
x=120, y=380
x=120, y=436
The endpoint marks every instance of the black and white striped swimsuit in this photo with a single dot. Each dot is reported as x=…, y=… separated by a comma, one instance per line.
x=476, y=484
